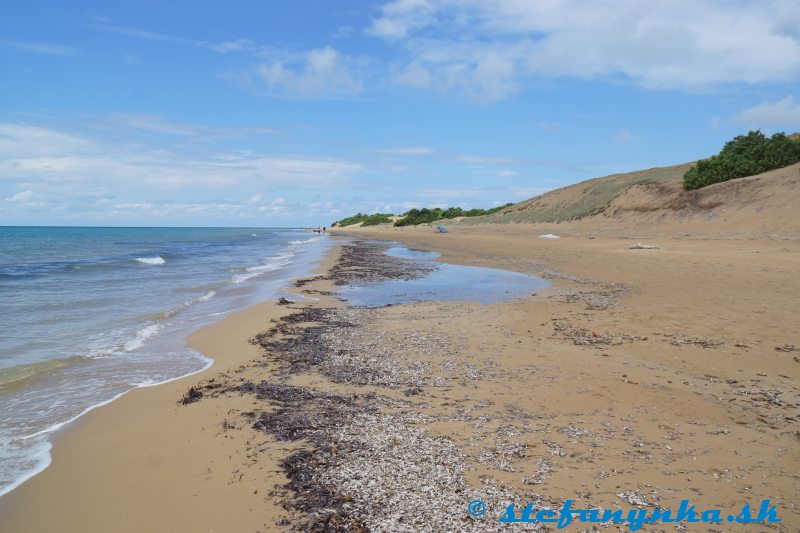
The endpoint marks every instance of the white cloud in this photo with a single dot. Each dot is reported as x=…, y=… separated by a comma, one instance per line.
x=147, y=35
x=343, y=32
x=23, y=196
x=399, y=18
x=772, y=116
x=487, y=47
x=413, y=75
x=19, y=140
x=319, y=72
x=210, y=209
x=49, y=49
x=507, y=173
x=549, y=125
x=234, y=46
x=445, y=195
x=238, y=45
x=75, y=175
x=256, y=198
x=150, y=123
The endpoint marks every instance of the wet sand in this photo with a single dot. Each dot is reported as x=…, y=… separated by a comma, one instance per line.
x=637, y=379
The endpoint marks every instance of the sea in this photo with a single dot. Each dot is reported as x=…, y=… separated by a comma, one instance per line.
x=88, y=314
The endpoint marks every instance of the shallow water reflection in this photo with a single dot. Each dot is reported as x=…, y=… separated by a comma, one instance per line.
x=447, y=282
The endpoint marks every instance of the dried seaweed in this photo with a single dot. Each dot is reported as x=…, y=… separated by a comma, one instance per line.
x=365, y=262
x=191, y=396
x=702, y=342
x=584, y=337
x=787, y=348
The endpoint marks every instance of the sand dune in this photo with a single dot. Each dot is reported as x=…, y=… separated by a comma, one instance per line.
x=761, y=206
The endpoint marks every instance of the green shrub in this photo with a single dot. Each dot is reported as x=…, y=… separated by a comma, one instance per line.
x=366, y=220
x=425, y=215
x=377, y=218
x=744, y=155
x=349, y=221
x=416, y=216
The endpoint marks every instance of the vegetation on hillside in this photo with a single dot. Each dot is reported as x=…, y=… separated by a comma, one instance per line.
x=583, y=199
x=744, y=155
x=366, y=220
x=417, y=216
x=425, y=215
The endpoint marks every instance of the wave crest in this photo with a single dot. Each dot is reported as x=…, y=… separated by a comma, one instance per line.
x=157, y=260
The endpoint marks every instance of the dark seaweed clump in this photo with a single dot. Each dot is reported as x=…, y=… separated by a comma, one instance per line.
x=191, y=396
x=298, y=344
x=304, y=414
x=365, y=262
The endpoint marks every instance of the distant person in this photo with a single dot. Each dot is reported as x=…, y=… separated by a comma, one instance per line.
x=323, y=229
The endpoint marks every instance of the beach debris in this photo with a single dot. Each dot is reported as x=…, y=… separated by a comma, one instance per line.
x=640, y=246
x=702, y=342
x=572, y=431
x=370, y=461
x=191, y=396
x=364, y=262
x=441, y=229
x=305, y=281
x=758, y=394
x=584, y=337
x=284, y=301
x=363, y=468
x=787, y=348
x=634, y=498
x=580, y=336
x=549, y=236
x=543, y=471
x=340, y=344
x=601, y=299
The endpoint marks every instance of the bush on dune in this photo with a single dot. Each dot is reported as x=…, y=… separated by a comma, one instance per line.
x=425, y=215
x=377, y=218
x=744, y=155
x=366, y=220
x=416, y=216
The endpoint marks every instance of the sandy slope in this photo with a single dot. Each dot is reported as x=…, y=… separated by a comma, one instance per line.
x=654, y=202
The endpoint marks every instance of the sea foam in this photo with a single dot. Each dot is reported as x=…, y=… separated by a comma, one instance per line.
x=141, y=336
x=273, y=263
x=151, y=260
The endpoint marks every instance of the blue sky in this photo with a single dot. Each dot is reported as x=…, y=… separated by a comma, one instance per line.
x=245, y=113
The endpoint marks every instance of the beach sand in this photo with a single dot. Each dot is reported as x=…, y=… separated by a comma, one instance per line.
x=639, y=378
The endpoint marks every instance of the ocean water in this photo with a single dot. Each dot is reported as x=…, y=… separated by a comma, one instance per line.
x=87, y=314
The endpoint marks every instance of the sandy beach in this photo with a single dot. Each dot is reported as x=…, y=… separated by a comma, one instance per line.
x=400, y=266
x=637, y=379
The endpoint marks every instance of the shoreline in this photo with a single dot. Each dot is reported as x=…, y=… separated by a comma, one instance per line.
x=95, y=447
x=642, y=378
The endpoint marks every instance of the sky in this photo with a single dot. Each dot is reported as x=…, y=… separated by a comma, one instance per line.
x=298, y=113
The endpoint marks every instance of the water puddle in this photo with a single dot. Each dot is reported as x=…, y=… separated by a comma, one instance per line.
x=445, y=282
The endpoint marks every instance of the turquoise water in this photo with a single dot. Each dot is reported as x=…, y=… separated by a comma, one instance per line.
x=87, y=314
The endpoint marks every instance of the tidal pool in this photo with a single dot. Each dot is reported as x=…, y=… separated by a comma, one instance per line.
x=446, y=282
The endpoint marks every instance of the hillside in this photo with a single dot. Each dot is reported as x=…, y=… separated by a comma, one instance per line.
x=762, y=205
